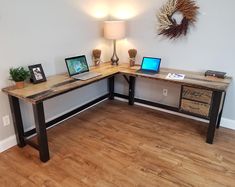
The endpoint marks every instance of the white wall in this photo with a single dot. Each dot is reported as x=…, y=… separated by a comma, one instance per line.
x=46, y=32
x=209, y=45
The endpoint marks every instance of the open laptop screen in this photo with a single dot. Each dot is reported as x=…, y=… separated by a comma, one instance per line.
x=77, y=65
x=151, y=64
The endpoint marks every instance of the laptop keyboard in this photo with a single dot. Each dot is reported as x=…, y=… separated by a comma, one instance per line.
x=146, y=72
x=86, y=76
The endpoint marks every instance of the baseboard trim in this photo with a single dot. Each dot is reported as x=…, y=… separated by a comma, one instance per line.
x=163, y=110
x=226, y=123
x=7, y=143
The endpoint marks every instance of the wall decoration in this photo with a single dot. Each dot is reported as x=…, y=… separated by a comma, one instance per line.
x=37, y=74
x=169, y=26
x=132, y=55
x=96, y=53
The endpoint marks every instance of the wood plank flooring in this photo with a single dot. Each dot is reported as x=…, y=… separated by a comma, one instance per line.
x=114, y=144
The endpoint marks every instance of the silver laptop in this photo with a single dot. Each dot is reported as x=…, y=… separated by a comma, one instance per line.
x=78, y=68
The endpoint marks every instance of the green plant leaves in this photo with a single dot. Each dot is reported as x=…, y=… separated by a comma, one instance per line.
x=18, y=74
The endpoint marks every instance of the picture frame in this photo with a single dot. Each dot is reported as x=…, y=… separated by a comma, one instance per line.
x=37, y=74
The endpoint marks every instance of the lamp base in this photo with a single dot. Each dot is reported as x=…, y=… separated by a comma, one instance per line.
x=114, y=58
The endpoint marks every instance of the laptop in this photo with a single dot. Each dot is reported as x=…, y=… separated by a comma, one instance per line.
x=150, y=65
x=78, y=68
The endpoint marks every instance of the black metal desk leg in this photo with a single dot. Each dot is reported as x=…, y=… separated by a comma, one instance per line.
x=17, y=120
x=41, y=131
x=221, y=112
x=111, y=87
x=131, y=90
x=214, y=116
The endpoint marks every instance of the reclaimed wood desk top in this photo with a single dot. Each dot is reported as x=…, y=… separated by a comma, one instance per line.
x=192, y=78
x=62, y=83
x=58, y=84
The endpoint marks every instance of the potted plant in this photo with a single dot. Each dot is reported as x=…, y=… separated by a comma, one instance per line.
x=19, y=75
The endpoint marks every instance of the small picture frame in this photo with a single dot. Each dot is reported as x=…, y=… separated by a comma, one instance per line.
x=37, y=73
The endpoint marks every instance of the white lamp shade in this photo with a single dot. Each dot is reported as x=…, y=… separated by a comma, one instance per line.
x=114, y=30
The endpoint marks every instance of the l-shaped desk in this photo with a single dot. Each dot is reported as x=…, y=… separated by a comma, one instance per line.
x=201, y=96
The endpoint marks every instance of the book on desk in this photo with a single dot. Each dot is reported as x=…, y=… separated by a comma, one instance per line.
x=217, y=74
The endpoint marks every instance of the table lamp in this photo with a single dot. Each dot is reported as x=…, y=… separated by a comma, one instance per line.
x=114, y=30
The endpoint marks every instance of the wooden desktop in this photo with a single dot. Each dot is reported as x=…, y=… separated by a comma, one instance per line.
x=201, y=96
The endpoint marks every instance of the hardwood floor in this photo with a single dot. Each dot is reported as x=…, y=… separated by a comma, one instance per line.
x=114, y=144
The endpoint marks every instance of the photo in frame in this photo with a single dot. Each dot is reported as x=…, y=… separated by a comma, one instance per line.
x=37, y=73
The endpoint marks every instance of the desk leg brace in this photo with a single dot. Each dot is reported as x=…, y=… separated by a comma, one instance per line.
x=214, y=116
x=41, y=131
x=132, y=90
x=17, y=120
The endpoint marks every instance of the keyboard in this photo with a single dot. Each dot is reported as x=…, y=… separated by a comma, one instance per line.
x=87, y=75
x=146, y=72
